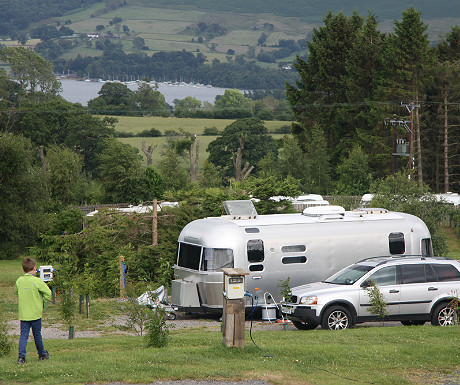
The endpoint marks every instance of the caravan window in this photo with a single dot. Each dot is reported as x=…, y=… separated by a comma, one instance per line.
x=216, y=259
x=396, y=242
x=189, y=256
x=255, y=249
x=426, y=247
x=289, y=260
x=293, y=248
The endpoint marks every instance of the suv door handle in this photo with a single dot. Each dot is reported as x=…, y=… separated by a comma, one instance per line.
x=394, y=291
x=432, y=288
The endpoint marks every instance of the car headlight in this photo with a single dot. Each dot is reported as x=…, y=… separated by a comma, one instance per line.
x=310, y=300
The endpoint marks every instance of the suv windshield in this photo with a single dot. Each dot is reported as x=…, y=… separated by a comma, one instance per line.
x=349, y=275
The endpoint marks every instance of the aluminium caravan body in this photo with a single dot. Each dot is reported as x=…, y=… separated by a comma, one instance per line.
x=304, y=247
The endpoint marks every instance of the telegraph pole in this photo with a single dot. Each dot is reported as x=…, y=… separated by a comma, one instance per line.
x=410, y=108
x=395, y=122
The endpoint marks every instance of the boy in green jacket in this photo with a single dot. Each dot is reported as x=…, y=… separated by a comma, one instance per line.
x=33, y=293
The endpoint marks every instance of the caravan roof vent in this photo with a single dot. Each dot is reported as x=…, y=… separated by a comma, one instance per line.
x=240, y=209
x=370, y=210
x=324, y=210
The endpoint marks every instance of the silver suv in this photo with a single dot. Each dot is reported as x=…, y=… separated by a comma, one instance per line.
x=416, y=289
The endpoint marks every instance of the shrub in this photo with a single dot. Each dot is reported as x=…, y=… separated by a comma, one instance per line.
x=282, y=130
x=121, y=134
x=172, y=133
x=153, y=132
x=211, y=131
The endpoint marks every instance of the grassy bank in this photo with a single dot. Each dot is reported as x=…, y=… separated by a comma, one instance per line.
x=390, y=355
x=363, y=355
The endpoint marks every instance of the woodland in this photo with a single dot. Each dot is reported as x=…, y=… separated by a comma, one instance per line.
x=354, y=89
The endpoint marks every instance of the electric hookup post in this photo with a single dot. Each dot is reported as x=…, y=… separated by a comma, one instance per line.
x=46, y=274
x=233, y=309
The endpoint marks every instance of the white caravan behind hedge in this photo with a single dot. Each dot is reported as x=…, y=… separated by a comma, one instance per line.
x=306, y=247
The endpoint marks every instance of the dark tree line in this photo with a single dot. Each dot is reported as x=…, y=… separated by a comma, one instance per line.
x=180, y=65
x=17, y=15
x=356, y=78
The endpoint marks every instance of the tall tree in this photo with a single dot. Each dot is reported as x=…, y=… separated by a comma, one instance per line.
x=233, y=105
x=243, y=141
x=187, y=107
x=65, y=175
x=34, y=74
x=363, y=65
x=407, y=57
x=354, y=173
x=24, y=195
x=322, y=86
x=114, y=99
x=120, y=168
x=151, y=102
x=442, y=136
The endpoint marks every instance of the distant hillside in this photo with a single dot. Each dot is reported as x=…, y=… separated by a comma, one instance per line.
x=267, y=31
x=17, y=15
x=312, y=10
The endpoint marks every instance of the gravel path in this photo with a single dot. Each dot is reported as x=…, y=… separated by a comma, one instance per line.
x=60, y=331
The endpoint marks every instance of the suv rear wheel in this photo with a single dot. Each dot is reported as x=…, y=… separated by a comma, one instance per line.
x=443, y=315
x=304, y=325
x=336, y=318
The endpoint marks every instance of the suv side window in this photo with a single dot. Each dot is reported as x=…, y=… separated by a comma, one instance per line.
x=413, y=273
x=429, y=274
x=385, y=276
x=446, y=272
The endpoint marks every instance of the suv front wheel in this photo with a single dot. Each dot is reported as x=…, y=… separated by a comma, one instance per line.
x=443, y=315
x=336, y=318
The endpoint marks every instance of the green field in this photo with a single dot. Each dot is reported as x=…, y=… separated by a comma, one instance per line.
x=194, y=126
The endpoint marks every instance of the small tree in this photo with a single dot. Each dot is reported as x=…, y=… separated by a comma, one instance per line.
x=138, y=315
x=285, y=291
x=157, y=331
x=5, y=342
x=68, y=309
x=378, y=306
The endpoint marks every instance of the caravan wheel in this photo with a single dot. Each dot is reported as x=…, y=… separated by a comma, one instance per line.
x=171, y=316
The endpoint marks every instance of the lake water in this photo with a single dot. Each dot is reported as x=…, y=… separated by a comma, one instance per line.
x=77, y=91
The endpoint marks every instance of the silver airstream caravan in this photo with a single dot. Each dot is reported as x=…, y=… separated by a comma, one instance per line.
x=306, y=247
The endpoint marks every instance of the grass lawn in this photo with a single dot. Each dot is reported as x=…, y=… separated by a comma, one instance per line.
x=363, y=355
x=374, y=355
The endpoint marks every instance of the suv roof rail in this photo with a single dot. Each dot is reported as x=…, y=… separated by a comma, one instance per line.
x=391, y=257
